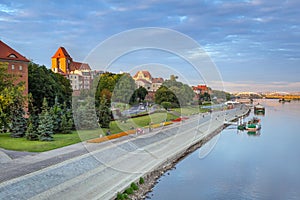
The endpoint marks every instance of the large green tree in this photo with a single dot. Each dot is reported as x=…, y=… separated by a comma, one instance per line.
x=163, y=94
x=138, y=95
x=175, y=92
x=85, y=114
x=11, y=99
x=123, y=89
x=42, y=82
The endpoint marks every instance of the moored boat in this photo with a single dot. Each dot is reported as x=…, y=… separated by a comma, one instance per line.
x=253, y=127
x=259, y=109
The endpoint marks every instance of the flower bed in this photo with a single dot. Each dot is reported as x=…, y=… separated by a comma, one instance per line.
x=111, y=137
x=179, y=119
x=121, y=134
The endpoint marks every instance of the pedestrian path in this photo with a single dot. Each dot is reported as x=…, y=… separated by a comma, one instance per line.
x=99, y=171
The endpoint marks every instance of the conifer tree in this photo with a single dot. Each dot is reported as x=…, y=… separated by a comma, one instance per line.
x=45, y=127
x=31, y=132
x=66, y=125
x=19, y=123
x=104, y=113
x=56, y=114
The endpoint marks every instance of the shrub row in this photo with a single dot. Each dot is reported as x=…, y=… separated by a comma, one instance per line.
x=130, y=190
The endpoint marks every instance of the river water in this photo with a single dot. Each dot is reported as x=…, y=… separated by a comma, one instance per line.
x=242, y=166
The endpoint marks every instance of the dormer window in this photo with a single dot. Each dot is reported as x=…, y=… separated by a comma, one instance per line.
x=12, y=56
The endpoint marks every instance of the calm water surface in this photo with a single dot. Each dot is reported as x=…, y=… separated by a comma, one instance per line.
x=242, y=166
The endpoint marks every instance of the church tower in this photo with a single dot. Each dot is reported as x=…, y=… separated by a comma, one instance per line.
x=61, y=61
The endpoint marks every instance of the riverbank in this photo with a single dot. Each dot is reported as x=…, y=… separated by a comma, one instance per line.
x=152, y=177
x=101, y=170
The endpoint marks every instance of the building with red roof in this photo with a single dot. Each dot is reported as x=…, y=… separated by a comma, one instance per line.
x=143, y=78
x=16, y=63
x=79, y=74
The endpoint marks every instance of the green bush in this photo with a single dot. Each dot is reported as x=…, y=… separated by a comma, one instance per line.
x=120, y=196
x=141, y=181
x=125, y=196
x=129, y=191
x=134, y=186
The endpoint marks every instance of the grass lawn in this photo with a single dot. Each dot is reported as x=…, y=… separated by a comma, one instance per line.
x=61, y=140
x=190, y=110
x=21, y=144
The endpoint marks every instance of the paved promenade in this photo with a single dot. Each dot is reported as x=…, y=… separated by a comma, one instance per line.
x=99, y=171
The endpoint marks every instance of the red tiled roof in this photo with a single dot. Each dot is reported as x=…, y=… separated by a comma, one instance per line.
x=79, y=66
x=200, y=87
x=157, y=80
x=146, y=74
x=61, y=53
x=8, y=53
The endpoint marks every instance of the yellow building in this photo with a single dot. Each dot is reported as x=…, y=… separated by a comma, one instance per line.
x=61, y=61
x=79, y=74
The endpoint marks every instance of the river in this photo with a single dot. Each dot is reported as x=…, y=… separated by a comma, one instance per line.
x=241, y=166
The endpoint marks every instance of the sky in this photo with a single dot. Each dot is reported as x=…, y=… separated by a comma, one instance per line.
x=253, y=44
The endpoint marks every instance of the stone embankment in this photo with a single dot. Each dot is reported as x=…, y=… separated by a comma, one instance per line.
x=100, y=171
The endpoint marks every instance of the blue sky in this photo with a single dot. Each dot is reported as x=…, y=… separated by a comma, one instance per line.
x=255, y=44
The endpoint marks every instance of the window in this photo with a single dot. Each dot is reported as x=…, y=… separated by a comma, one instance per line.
x=20, y=67
x=12, y=67
x=12, y=56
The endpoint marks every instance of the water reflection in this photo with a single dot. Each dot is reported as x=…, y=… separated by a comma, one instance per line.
x=241, y=166
x=253, y=133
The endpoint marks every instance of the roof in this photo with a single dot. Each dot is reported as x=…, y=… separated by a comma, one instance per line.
x=61, y=53
x=157, y=80
x=7, y=53
x=79, y=66
x=145, y=73
x=200, y=87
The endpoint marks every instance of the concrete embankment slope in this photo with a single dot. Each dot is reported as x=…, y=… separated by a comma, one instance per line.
x=110, y=167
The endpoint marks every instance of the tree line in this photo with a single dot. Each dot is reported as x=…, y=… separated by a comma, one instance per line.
x=48, y=104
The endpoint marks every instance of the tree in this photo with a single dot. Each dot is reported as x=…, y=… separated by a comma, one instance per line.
x=163, y=94
x=104, y=113
x=31, y=132
x=204, y=97
x=19, y=123
x=45, y=127
x=42, y=82
x=85, y=114
x=56, y=113
x=11, y=98
x=123, y=89
x=166, y=105
x=138, y=95
x=183, y=92
x=66, y=125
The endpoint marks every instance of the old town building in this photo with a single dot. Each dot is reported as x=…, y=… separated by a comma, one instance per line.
x=16, y=64
x=144, y=79
x=79, y=74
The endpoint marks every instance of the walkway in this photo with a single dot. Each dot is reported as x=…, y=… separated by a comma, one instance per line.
x=99, y=171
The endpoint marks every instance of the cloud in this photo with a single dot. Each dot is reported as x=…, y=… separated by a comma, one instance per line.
x=239, y=35
x=251, y=86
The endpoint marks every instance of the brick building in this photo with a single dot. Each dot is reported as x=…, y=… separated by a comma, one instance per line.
x=16, y=63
